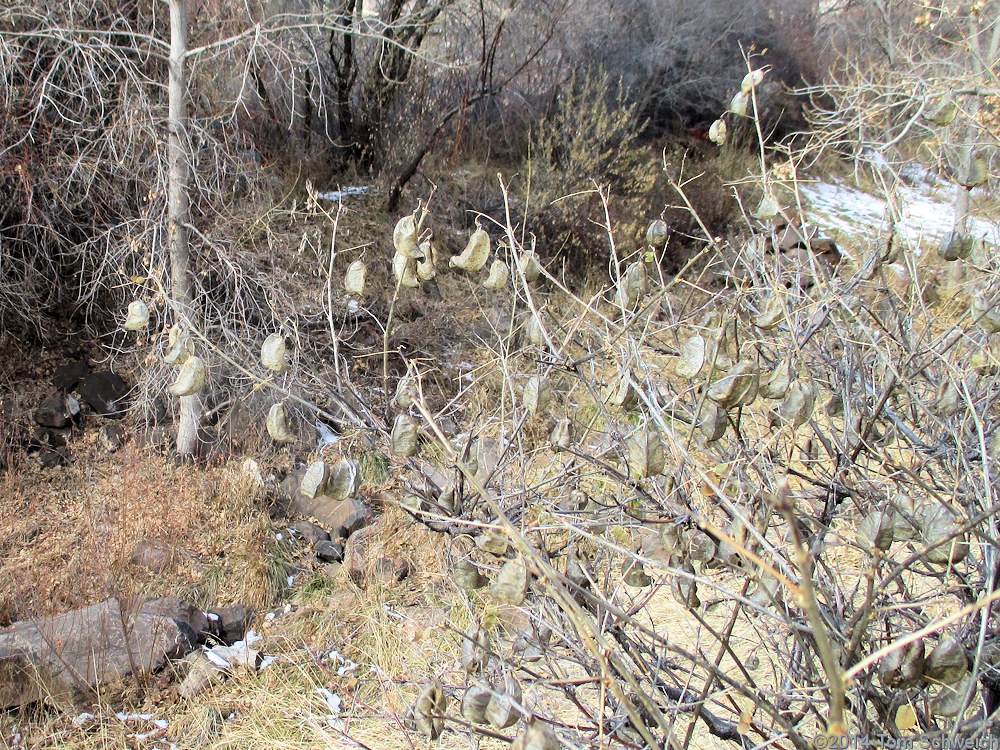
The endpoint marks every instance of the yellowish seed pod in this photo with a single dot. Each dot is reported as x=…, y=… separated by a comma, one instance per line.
x=272, y=353
x=277, y=425
x=404, y=269
x=475, y=254
x=137, y=317
x=354, y=279
x=404, y=236
x=190, y=379
x=717, y=132
x=499, y=275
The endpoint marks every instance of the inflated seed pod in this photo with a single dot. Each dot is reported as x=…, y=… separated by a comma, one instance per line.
x=775, y=384
x=404, y=270
x=535, y=332
x=499, y=275
x=949, y=399
x=798, y=404
x=190, y=379
x=634, y=574
x=771, y=315
x=344, y=479
x=406, y=391
x=537, y=394
x=701, y=547
x=633, y=285
x=685, y=589
x=536, y=736
x=511, y=583
x=562, y=434
x=476, y=648
x=528, y=264
x=738, y=387
x=428, y=712
x=876, y=531
x=657, y=233
x=644, y=450
x=767, y=209
x=955, y=245
x=938, y=526
x=354, y=279
x=137, y=317
x=985, y=312
x=902, y=668
x=691, y=359
x=466, y=575
x=671, y=539
x=314, y=480
x=272, y=353
x=277, y=425
x=947, y=662
x=474, y=702
x=712, y=422
x=738, y=105
x=404, y=237
x=620, y=392
x=178, y=346
x=751, y=80
x=475, y=254
x=502, y=711
x=950, y=699
x=942, y=112
x=494, y=543
x=976, y=171
x=404, y=436
x=717, y=132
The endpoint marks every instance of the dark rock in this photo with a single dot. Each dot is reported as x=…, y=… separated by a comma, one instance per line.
x=112, y=437
x=310, y=532
x=68, y=375
x=105, y=392
x=389, y=571
x=327, y=551
x=63, y=657
x=356, y=552
x=155, y=556
x=288, y=489
x=342, y=517
x=52, y=457
x=229, y=624
x=56, y=410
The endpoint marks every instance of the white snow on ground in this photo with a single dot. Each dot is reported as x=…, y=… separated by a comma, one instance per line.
x=835, y=206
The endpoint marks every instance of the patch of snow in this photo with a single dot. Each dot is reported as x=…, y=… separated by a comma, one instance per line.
x=79, y=721
x=326, y=436
x=266, y=662
x=333, y=701
x=338, y=195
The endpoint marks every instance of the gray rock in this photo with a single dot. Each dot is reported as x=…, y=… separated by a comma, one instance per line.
x=52, y=457
x=105, y=392
x=55, y=410
x=68, y=655
x=310, y=532
x=112, y=437
x=201, y=673
x=155, y=556
x=229, y=624
x=342, y=517
x=327, y=551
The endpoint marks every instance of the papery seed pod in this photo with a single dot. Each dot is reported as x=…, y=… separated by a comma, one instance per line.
x=511, y=583
x=645, y=453
x=277, y=425
x=701, y=547
x=985, y=312
x=633, y=574
x=685, y=589
x=344, y=479
x=691, y=359
x=949, y=399
x=474, y=703
x=941, y=113
x=404, y=270
x=947, y=663
x=428, y=712
x=976, y=172
x=354, y=279
x=657, y=233
x=835, y=406
x=738, y=387
x=404, y=237
x=476, y=648
x=499, y=275
x=562, y=434
x=427, y=266
x=537, y=394
x=190, y=379
x=494, y=543
x=775, y=385
x=620, y=392
x=272, y=353
x=751, y=80
x=137, y=317
x=404, y=436
x=406, y=391
x=876, y=531
x=633, y=285
x=671, y=539
x=528, y=264
x=939, y=527
x=798, y=404
x=955, y=245
x=772, y=314
x=314, y=480
x=712, y=422
x=579, y=571
x=767, y=209
x=739, y=104
x=466, y=575
x=902, y=668
x=905, y=518
x=596, y=515
x=951, y=698
x=536, y=736
x=475, y=254
x=534, y=331
x=502, y=711
x=178, y=346
x=717, y=132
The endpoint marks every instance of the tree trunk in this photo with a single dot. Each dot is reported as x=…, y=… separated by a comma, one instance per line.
x=181, y=275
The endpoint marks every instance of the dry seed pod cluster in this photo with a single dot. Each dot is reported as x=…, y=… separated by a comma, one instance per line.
x=738, y=387
x=946, y=665
x=137, y=317
x=925, y=523
x=179, y=346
